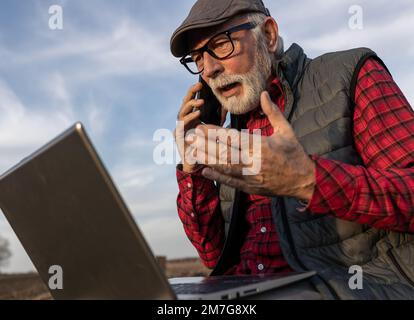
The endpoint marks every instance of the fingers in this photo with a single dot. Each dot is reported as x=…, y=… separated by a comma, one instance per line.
x=273, y=113
x=230, y=137
x=229, y=170
x=187, y=113
x=216, y=154
x=187, y=116
x=187, y=119
x=191, y=120
x=218, y=146
x=188, y=100
x=188, y=108
x=192, y=92
x=224, y=179
x=187, y=123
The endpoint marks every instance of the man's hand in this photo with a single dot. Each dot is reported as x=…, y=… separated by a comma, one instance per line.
x=285, y=168
x=188, y=120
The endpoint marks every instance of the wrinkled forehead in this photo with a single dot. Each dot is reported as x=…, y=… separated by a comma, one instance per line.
x=198, y=38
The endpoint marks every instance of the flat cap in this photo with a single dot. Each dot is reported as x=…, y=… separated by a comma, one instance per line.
x=210, y=13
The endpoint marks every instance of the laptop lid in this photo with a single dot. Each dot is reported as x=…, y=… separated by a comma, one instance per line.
x=66, y=212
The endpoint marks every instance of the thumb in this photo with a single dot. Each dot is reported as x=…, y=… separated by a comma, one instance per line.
x=273, y=113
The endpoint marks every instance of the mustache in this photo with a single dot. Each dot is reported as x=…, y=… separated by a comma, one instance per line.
x=225, y=80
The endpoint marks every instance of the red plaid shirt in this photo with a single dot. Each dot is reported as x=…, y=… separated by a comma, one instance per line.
x=380, y=194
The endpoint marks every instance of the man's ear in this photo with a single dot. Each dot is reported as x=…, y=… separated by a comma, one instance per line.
x=271, y=32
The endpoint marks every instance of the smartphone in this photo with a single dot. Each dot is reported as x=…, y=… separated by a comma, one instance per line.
x=211, y=110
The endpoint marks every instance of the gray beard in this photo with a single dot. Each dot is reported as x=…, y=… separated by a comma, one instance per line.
x=253, y=83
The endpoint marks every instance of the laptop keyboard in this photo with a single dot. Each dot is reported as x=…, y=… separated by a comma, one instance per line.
x=215, y=284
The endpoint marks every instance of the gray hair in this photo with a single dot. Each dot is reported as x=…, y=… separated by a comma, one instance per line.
x=259, y=18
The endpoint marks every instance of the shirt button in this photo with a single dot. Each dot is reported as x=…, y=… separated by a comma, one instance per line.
x=260, y=267
x=192, y=215
x=189, y=185
x=263, y=230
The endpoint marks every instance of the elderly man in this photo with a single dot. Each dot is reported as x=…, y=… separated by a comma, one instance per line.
x=336, y=183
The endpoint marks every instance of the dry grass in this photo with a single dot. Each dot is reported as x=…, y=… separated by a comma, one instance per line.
x=186, y=268
x=22, y=286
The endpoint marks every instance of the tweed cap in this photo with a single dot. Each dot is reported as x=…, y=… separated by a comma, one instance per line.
x=210, y=13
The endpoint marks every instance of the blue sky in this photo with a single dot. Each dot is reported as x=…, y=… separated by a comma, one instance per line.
x=110, y=67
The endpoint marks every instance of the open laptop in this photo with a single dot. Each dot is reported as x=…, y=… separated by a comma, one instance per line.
x=66, y=212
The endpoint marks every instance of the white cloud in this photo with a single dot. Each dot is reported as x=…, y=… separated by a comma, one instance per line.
x=136, y=177
x=125, y=49
x=374, y=36
x=295, y=12
x=132, y=49
x=23, y=130
x=149, y=190
x=56, y=90
x=26, y=128
x=135, y=142
x=97, y=117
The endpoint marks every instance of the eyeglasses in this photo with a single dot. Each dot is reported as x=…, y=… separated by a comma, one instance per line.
x=221, y=46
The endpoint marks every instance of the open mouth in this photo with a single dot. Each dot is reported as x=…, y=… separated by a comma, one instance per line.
x=230, y=89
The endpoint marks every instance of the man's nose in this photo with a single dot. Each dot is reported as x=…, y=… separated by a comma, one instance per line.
x=212, y=66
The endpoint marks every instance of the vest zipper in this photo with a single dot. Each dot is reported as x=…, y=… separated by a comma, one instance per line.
x=400, y=269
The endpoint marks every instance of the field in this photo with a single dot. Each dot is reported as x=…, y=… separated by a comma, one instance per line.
x=30, y=287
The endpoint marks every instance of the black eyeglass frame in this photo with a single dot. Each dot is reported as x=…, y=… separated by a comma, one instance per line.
x=184, y=60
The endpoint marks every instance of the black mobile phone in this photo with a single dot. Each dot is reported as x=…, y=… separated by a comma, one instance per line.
x=211, y=110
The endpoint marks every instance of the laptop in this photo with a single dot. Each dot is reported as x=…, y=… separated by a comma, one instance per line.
x=66, y=211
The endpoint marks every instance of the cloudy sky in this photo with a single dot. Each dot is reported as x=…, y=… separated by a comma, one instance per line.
x=110, y=67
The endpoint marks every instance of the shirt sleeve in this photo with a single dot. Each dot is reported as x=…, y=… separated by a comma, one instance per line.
x=381, y=193
x=199, y=210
